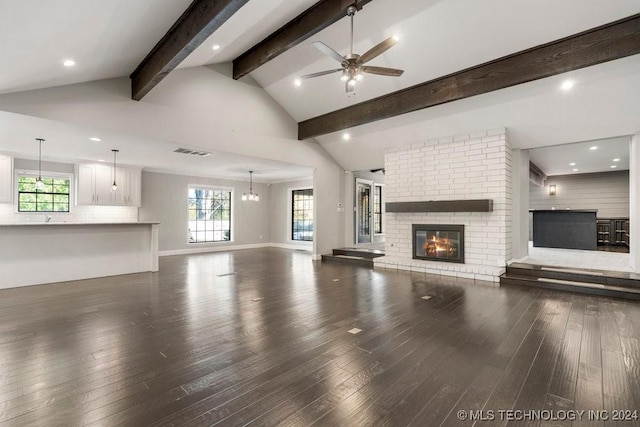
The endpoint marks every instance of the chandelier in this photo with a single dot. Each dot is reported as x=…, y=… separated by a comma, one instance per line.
x=250, y=195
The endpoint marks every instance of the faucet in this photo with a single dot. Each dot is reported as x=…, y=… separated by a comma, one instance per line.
x=47, y=218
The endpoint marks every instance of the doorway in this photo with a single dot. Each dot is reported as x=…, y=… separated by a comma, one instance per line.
x=364, y=215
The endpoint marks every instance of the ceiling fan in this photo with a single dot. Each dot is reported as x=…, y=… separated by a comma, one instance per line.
x=353, y=64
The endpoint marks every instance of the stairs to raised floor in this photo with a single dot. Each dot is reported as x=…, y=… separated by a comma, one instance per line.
x=356, y=256
x=596, y=282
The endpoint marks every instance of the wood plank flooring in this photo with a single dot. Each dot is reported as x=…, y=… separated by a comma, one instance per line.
x=260, y=337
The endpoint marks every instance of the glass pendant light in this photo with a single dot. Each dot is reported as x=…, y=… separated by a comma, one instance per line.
x=39, y=184
x=114, y=187
x=251, y=196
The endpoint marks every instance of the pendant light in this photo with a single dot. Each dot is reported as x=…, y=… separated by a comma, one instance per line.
x=250, y=195
x=39, y=184
x=114, y=187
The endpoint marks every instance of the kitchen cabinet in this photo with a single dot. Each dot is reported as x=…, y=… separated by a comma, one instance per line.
x=613, y=231
x=626, y=232
x=6, y=178
x=94, y=182
x=128, y=193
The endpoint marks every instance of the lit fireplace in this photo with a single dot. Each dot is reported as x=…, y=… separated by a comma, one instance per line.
x=436, y=242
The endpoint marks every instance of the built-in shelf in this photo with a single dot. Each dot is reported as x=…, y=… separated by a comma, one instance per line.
x=478, y=205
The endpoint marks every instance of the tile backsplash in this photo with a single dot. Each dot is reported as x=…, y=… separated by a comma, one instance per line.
x=8, y=214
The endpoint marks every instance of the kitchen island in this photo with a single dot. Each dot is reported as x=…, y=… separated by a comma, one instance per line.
x=567, y=229
x=37, y=253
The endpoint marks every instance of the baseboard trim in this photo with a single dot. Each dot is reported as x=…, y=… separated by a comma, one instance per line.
x=307, y=248
x=225, y=248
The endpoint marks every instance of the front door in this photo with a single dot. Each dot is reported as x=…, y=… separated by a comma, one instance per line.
x=364, y=190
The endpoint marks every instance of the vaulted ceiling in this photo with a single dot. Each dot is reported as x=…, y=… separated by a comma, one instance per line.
x=109, y=39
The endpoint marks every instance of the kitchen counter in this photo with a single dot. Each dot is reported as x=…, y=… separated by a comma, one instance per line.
x=568, y=229
x=33, y=253
x=24, y=224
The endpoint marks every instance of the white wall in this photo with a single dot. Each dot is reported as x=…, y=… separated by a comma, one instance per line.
x=280, y=212
x=608, y=192
x=476, y=166
x=634, y=211
x=164, y=199
x=520, y=205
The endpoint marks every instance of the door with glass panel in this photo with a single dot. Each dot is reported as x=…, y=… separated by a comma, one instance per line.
x=364, y=217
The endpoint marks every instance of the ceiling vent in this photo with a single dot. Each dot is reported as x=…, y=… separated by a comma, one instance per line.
x=192, y=152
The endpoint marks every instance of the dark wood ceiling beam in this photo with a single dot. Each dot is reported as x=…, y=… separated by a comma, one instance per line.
x=606, y=43
x=303, y=26
x=197, y=23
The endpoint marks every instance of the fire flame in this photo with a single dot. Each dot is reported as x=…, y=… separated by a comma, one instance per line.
x=439, y=247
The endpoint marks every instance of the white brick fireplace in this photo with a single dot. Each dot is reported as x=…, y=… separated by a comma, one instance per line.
x=462, y=167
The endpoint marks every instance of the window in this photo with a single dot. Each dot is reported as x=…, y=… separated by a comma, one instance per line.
x=54, y=197
x=302, y=215
x=377, y=210
x=209, y=215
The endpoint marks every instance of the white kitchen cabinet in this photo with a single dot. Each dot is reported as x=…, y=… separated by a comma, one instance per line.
x=128, y=193
x=134, y=186
x=6, y=178
x=95, y=183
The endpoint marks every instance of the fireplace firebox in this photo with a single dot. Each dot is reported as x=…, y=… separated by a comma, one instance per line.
x=436, y=242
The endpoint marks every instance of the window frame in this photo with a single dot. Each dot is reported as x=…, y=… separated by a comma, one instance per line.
x=44, y=174
x=382, y=208
x=290, y=192
x=232, y=209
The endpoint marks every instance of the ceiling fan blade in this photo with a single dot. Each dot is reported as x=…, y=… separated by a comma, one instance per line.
x=329, y=51
x=320, y=73
x=378, y=49
x=383, y=71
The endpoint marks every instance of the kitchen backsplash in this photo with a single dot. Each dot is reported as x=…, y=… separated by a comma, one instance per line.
x=8, y=214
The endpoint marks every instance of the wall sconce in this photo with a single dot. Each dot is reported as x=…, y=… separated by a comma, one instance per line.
x=552, y=190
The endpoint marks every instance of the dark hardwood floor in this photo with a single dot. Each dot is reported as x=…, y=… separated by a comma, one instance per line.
x=261, y=337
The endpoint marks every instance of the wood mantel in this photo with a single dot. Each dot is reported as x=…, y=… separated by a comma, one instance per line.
x=477, y=205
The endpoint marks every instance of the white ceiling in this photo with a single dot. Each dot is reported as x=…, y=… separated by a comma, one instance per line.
x=106, y=38
x=71, y=143
x=563, y=159
x=109, y=39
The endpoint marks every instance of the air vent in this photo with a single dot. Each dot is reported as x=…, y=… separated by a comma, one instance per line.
x=192, y=152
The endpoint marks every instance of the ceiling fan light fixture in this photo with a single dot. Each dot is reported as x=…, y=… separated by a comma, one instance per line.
x=353, y=65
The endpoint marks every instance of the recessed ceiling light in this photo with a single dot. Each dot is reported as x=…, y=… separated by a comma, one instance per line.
x=567, y=85
x=95, y=139
x=575, y=169
x=613, y=166
x=616, y=160
x=346, y=136
x=215, y=47
x=69, y=63
x=572, y=164
x=593, y=148
x=297, y=82
x=100, y=160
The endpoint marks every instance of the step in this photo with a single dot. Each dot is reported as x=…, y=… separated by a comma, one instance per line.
x=348, y=259
x=357, y=252
x=611, y=278
x=585, y=287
